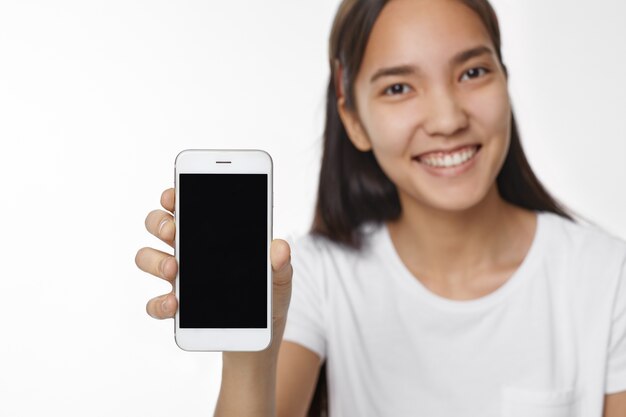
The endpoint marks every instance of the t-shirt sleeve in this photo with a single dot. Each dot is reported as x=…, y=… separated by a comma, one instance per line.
x=616, y=366
x=305, y=319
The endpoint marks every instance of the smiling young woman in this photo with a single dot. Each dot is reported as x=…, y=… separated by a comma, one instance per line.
x=440, y=277
x=441, y=139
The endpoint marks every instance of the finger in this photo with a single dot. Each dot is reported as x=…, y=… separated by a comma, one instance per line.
x=280, y=256
x=162, y=307
x=161, y=224
x=168, y=199
x=157, y=263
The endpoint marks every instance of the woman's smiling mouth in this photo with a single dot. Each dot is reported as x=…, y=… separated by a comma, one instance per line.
x=449, y=163
x=448, y=159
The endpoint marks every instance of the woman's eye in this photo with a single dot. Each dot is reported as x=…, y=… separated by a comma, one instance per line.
x=474, y=72
x=397, y=89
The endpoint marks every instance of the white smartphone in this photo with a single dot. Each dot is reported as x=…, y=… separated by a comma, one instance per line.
x=223, y=234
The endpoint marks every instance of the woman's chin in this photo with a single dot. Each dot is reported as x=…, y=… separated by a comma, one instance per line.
x=455, y=201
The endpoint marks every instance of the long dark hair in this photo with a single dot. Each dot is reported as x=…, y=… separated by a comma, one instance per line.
x=353, y=189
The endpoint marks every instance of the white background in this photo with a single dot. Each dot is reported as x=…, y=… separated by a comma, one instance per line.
x=98, y=97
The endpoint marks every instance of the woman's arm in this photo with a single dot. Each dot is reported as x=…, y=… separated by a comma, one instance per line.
x=248, y=385
x=615, y=405
x=261, y=384
x=298, y=370
x=279, y=381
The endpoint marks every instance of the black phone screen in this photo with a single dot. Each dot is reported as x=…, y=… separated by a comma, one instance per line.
x=223, y=250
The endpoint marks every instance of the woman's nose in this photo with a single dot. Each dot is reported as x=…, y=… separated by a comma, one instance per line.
x=444, y=114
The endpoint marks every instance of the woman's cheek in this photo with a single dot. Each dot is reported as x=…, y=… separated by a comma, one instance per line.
x=490, y=113
x=391, y=137
x=391, y=129
x=495, y=108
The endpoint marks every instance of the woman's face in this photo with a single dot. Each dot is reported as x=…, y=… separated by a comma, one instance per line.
x=432, y=103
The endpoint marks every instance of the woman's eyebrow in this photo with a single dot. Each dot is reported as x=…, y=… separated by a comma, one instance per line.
x=457, y=59
x=397, y=70
x=463, y=56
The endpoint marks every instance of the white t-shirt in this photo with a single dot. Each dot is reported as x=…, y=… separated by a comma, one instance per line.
x=550, y=342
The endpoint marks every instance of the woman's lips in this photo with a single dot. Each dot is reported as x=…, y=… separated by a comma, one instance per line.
x=446, y=159
x=449, y=163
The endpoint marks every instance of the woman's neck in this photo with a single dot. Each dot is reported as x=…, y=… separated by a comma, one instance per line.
x=453, y=249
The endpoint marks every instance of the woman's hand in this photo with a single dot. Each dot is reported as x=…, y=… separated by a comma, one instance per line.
x=160, y=264
x=161, y=224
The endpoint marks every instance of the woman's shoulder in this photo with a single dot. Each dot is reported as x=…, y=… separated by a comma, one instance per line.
x=580, y=244
x=580, y=234
x=319, y=245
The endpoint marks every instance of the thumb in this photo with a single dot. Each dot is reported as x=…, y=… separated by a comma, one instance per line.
x=280, y=256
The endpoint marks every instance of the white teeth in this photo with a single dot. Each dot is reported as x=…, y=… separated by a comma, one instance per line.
x=450, y=160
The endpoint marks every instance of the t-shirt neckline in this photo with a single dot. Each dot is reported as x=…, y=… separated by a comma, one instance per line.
x=521, y=274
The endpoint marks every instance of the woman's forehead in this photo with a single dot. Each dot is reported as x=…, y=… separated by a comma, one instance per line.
x=412, y=31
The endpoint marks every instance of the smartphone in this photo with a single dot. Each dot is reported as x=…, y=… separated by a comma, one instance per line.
x=223, y=233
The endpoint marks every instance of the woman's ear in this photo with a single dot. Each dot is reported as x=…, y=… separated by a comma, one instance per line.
x=353, y=126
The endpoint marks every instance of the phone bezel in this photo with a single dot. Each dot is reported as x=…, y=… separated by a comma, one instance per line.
x=212, y=161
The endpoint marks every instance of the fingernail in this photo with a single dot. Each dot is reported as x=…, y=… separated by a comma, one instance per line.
x=163, y=222
x=164, y=305
x=162, y=267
